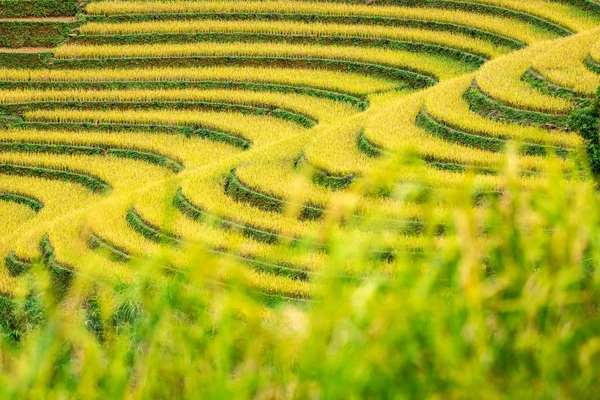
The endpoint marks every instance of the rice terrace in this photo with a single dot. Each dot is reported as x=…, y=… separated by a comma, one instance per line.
x=270, y=199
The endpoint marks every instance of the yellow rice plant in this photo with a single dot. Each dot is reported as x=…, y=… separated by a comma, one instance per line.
x=256, y=128
x=122, y=174
x=206, y=191
x=563, y=63
x=117, y=231
x=333, y=80
x=462, y=42
x=440, y=67
x=501, y=79
x=319, y=109
x=12, y=216
x=447, y=105
x=191, y=153
x=393, y=129
x=505, y=26
x=563, y=14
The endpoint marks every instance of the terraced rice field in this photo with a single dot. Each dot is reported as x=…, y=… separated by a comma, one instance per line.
x=251, y=127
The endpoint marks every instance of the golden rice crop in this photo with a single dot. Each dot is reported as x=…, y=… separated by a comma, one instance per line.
x=465, y=43
x=257, y=128
x=501, y=79
x=441, y=67
x=563, y=63
x=192, y=153
x=447, y=104
x=505, y=26
x=12, y=216
x=343, y=81
x=319, y=109
x=562, y=14
x=393, y=129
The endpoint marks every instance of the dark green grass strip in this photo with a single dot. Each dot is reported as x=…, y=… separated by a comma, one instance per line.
x=474, y=59
x=539, y=82
x=478, y=140
x=237, y=190
x=96, y=243
x=38, y=8
x=92, y=150
x=92, y=183
x=195, y=213
x=358, y=101
x=187, y=208
x=115, y=253
x=438, y=26
x=155, y=234
x=413, y=77
x=28, y=201
x=61, y=275
x=488, y=107
x=592, y=64
x=25, y=60
x=241, y=193
x=369, y=149
x=16, y=266
x=187, y=131
x=266, y=109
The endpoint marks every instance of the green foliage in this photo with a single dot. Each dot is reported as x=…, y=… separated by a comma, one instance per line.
x=38, y=8
x=25, y=60
x=592, y=64
x=15, y=34
x=587, y=122
x=511, y=316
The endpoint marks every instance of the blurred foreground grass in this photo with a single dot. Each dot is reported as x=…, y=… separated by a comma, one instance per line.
x=505, y=307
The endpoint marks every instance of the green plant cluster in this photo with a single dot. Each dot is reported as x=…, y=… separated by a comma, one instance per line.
x=25, y=60
x=587, y=122
x=14, y=34
x=28, y=201
x=236, y=189
x=516, y=318
x=38, y=8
